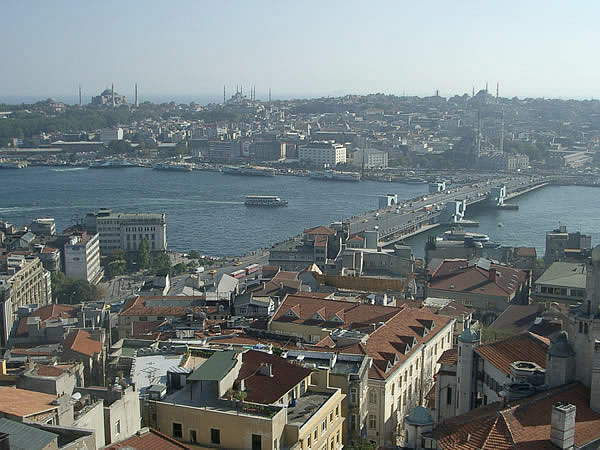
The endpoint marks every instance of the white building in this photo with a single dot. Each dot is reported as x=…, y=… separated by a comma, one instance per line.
x=371, y=158
x=323, y=153
x=127, y=230
x=107, y=135
x=82, y=258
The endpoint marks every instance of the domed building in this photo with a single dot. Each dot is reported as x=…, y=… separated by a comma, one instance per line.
x=109, y=97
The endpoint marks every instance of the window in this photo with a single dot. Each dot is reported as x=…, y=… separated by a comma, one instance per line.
x=372, y=421
x=372, y=396
x=177, y=430
x=393, y=388
x=256, y=442
x=353, y=422
x=353, y=395
x=193, y=438
x=324, y=426
x=117, y=427
x=315, y=434
x=274, y=444
x=215, y=436
x=449, y=396
x=309, y=441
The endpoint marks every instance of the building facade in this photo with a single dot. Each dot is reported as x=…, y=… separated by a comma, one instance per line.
x=126, y=231
x=82, y=258
x=23, y=281
x=323, y=153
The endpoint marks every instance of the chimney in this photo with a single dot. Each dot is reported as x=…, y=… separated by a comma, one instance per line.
x=563, y=425
x=492, y=274
x=266, y=369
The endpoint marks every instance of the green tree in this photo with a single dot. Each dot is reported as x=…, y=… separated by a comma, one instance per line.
x=194, y=254
x=179, y=268
x=115, y=268
x=143, y=255
x=71, y=291
x=161, y=264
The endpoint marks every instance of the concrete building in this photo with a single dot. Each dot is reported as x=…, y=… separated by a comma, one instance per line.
x=126, y=231
x=322, y=153
x=563, y=282
x=107, y=135
x=23, y=281
x=370, y=158
x=404, y=344
x=562, y=245
x=43, y=226
x=252, y=400
x=82, y=258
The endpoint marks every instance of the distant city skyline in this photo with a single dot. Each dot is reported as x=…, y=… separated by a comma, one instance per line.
x=191, y=49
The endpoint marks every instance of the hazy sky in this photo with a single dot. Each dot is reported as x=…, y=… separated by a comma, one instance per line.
x=533, y=48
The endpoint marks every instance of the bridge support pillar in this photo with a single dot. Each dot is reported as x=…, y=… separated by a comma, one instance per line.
x=497, y=195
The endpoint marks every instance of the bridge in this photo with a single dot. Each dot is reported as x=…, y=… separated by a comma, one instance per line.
x=410, y=217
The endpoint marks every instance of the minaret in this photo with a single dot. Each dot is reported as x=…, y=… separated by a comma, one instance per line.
x=80, y=104
x=112, y=94
x=224, y=94
x=473, y=94
x=269, y=95
x=137, y=104
x=497, y=90
x=486, y=87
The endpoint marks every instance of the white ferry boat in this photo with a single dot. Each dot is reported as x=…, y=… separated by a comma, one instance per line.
x=264, y=200
x=177, y=167
x=335, y=176
x=461, y=235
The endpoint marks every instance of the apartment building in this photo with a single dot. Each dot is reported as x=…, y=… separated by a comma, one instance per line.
x=82, y=258
x=23, y=281
x=404, y=344
x=252, y=400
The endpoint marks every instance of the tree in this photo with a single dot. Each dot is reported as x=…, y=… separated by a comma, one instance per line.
x=194, y=254
x=161, y=264
x=115, y=268
x=71, y=291
x=179, y=268
x=143, y=255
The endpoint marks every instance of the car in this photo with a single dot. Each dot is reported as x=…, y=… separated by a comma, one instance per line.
x=199, y=269
x=237, y=263
x=212, y=272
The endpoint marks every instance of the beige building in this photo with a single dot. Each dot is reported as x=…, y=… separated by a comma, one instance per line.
x=127, y=230
x=23, y=281
x=252, y=400
x=323, y=153
x=404, y=344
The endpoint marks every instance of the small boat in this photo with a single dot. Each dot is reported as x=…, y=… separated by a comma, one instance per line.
x=500, y=224
x=264, y=200
x=112, y=164
x=13, y=164
x=461, y=235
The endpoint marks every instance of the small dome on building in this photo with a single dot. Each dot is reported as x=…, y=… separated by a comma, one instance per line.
x=469, y=336
x=560, y=346
x=419, y=416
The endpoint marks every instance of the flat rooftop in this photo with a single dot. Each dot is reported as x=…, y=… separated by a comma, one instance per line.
x=306, y=406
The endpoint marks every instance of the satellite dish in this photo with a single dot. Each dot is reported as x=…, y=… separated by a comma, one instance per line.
x=76, y=396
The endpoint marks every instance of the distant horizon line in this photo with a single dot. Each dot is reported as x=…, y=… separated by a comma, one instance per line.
x=73, y=99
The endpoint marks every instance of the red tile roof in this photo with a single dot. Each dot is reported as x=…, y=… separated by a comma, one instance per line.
x=522, y=347
x=47, y=312
x=148, y=440
x=524, y=424
x=398, y=333
x=136, y=306
x=526, y=252
x=449, y=357
x=475, y=279
x=320, y=230
x=262, y=388
x=23, y=403
x=48, y=371
x=81, y=342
